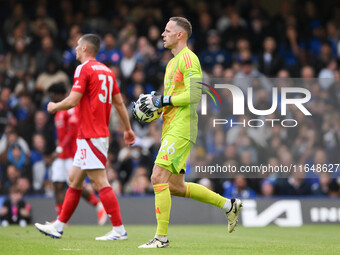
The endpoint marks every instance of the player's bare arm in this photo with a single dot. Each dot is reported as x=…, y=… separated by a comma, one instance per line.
x=129, y=135
x=69, y=102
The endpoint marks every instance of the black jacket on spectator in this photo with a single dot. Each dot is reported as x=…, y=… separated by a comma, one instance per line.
x=272, y=67
x=285, y=188
x=14, y=216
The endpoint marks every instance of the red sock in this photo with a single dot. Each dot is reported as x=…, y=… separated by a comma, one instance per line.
x=92, y=199
x=111, y=206
x=58, y=208
x=71, y=201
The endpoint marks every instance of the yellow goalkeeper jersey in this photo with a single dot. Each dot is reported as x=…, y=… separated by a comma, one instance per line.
x=182, y=75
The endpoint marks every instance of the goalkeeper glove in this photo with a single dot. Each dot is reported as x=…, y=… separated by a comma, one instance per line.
x=143, y=108
x=157, y=101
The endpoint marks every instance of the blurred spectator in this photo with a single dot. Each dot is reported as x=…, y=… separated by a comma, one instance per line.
x=238, y=188
x=258, y=33
x=229, y=153
x=95, y=23
x=39, y=168
x=109, y=53
x=206, y=183
x=318, y=38
x=42, y=17
x=5, y=111
x=52, y=74
x=303, y=143
x=283, y=74
x=331, y=141
x=43, y=126
x=224, y=22
x=154, y=37
x=307, y=72
x=270, y=62
x=138, y=85
x=246, y=151
x=290, y=49
x=321, y=188
x=23, y=107
x=15, y=209
x=295, y=185
x=214, y=53
x=114, y=181
x=39, y=123
x=332, y=37
x=69, y=56
x=267, y=188
x=47, y=51
x=9, y=138
x=217, y=71
x=139, y=183
x=255, y=135
x=145, y=52
x=278, y=21
x=215, y=144
x=24, y=185
x=16, y=156
x=234, y=32
x=11, y=177
x=18, y=15
x=334, y=189
x=246, y=75
x=130, y=159
x=324, y=58
x=19, y=61
x=40, y=30
x=128, y=34
x=129, y=60
x=243, y=51
x=205, y=24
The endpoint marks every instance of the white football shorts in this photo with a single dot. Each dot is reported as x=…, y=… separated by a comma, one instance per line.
x=60, y=169
x=91, y=153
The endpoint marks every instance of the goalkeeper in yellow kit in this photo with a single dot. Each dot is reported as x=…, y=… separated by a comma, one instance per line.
x=179, y=103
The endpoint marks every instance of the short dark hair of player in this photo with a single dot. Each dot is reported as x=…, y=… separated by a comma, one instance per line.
x=184, y=23
x=57, y=88
x=93, y=41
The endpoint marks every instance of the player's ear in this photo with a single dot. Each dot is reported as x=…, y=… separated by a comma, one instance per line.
x=179, y=34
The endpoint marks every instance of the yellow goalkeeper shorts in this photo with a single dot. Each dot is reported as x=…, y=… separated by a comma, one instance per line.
x=173, y=153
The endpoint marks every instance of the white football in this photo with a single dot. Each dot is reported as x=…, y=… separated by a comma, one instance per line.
x=143, y=113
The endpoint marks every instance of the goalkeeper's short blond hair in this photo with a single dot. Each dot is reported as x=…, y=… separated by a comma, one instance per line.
x=184, y=23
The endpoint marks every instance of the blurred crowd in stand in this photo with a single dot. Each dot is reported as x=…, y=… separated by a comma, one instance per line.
x=242, y=42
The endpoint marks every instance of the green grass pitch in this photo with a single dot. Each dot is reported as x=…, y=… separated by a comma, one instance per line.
x=184, y=239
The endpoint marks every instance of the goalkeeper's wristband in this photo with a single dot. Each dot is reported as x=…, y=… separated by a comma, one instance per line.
x=166, y=100
x=160, y=101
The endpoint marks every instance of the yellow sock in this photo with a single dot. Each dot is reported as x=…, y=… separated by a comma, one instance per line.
x=163, y=207
x=203, y=194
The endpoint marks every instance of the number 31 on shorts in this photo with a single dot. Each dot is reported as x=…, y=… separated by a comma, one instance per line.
x=83, y=154
x=169, y=149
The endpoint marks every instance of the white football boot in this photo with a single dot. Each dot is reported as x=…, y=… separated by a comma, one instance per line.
x=155, y=243
x=113, y=235
x=49, y=230
x=232, y=215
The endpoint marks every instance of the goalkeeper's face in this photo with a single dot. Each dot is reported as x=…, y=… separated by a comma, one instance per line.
x=171, y=35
